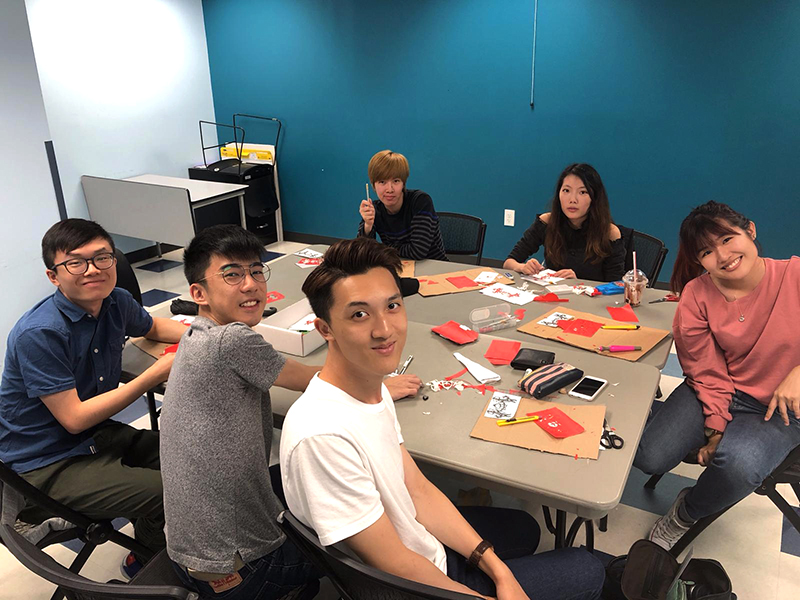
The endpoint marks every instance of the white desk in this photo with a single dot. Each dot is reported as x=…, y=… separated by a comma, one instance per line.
x=155, y=207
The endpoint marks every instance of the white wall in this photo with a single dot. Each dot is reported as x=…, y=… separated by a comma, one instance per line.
x=26, y=191
x=124, y=83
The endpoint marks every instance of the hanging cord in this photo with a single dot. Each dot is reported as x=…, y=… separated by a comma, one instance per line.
x=533, y=53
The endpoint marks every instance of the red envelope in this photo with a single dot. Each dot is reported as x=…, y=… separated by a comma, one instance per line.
x=622, y=313
x=461, y=281
x=555, y=422
x=582, y=327
x=455, y=332
x=549, y=297
x=502, y=352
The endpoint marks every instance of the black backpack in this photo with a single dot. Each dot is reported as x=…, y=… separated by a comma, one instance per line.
x=648, y=572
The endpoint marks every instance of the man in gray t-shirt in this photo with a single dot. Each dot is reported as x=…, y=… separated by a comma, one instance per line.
x=216, y=431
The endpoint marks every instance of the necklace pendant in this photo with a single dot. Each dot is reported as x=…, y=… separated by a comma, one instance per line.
x=741, y=319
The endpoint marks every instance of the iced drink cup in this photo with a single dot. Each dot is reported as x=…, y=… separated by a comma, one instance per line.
x=634, y=287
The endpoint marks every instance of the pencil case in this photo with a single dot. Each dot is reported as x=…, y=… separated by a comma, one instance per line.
x=529, y=358
x=548, y=379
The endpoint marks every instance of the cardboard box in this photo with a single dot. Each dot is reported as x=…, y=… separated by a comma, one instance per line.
x=275, y=329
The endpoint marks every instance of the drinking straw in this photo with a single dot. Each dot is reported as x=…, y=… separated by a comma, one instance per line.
x=635, y=270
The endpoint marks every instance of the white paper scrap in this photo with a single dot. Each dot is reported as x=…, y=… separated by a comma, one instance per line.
x=185, y=319
x=308, y=253
x=562, y=289
x=508, y=293
x=552, y=320
x=486, y=277
x=304, y=324
x=502, y=406
x=479, y=372
x=543, y=277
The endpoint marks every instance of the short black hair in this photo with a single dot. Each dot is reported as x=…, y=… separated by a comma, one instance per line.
x=344, y=259
x=230, y=241
x=69, y=234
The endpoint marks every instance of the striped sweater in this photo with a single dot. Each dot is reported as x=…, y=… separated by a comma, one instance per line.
x=413, y=231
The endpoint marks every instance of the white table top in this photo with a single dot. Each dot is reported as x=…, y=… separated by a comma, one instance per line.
x=199, y=190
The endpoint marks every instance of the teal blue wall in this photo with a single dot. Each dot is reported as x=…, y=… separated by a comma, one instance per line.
x=674, y=102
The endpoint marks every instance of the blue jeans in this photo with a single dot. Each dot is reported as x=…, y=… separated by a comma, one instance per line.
x=568, y=574
x=749, y=451
x=268, y=577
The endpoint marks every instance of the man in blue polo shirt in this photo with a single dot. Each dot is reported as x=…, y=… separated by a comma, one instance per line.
x=60, y=387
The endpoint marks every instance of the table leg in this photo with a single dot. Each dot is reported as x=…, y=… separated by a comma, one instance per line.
x=242, y=214
x=151, y=408
x=561, y=529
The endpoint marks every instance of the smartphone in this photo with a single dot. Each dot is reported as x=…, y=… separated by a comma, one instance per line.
x=588, y=388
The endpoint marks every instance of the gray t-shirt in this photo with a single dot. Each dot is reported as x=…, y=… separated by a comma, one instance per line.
x=216, y=434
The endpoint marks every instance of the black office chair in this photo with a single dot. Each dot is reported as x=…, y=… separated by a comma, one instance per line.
x=650, y=254
x=69, y=525
x=353, y=579
x=462, y=234
x=787, y=472
x=126, y=278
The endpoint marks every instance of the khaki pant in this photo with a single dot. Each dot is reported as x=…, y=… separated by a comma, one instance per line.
x=122, y=480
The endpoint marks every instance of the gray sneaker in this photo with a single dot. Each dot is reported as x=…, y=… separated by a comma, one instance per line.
x=670, y=528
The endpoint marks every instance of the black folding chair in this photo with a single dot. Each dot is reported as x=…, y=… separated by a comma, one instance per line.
x=126, y=279
x=462, y=234
x=353, y=579
x=14, y=491
x=787, y=472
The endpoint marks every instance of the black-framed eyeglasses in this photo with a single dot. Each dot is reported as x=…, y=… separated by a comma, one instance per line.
x=235, y=274
x=79, y=266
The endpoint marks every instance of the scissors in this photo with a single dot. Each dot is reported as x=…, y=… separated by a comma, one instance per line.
x=667, y=298
x=609, y=439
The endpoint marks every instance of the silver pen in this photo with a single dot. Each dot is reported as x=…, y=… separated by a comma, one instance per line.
x=405, y=364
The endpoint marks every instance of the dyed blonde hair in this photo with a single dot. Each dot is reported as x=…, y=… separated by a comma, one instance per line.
x=387, y=165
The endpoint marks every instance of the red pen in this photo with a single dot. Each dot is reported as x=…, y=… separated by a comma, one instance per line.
x=619, y=348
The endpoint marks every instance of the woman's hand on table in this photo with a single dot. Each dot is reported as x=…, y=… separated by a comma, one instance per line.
x=566, y=274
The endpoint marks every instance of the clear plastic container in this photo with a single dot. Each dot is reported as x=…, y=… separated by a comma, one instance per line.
x=634, y=286
x=492, y=318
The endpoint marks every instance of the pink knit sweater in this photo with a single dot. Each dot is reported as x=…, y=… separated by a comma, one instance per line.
x=719, y=353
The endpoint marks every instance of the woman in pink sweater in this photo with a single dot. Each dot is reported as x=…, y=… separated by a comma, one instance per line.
x=737, y=334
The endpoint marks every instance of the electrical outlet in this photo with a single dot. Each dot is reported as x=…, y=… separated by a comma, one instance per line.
x=508, y=218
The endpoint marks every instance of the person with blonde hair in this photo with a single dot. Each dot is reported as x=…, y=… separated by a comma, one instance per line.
x=405, y=219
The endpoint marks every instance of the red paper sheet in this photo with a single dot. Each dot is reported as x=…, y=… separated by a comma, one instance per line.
x=461, y=281
x=170, y=349
x=622, y=313
x=502, y=352
x=520, y=313
x=555, y=422
x=455, y=332
x=582, y=327
x=549, y=297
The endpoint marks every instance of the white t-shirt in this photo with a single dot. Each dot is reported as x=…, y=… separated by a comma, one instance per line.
x=342, y=468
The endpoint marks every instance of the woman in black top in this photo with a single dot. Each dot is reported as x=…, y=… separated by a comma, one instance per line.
x=579, y=237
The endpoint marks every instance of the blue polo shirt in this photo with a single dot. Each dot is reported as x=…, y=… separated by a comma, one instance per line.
x=57, y=346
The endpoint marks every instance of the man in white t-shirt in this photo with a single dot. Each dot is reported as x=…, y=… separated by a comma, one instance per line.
x=347, y=474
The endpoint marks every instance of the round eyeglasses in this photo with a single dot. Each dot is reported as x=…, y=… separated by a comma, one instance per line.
x=235, y=274
x=79, y=266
